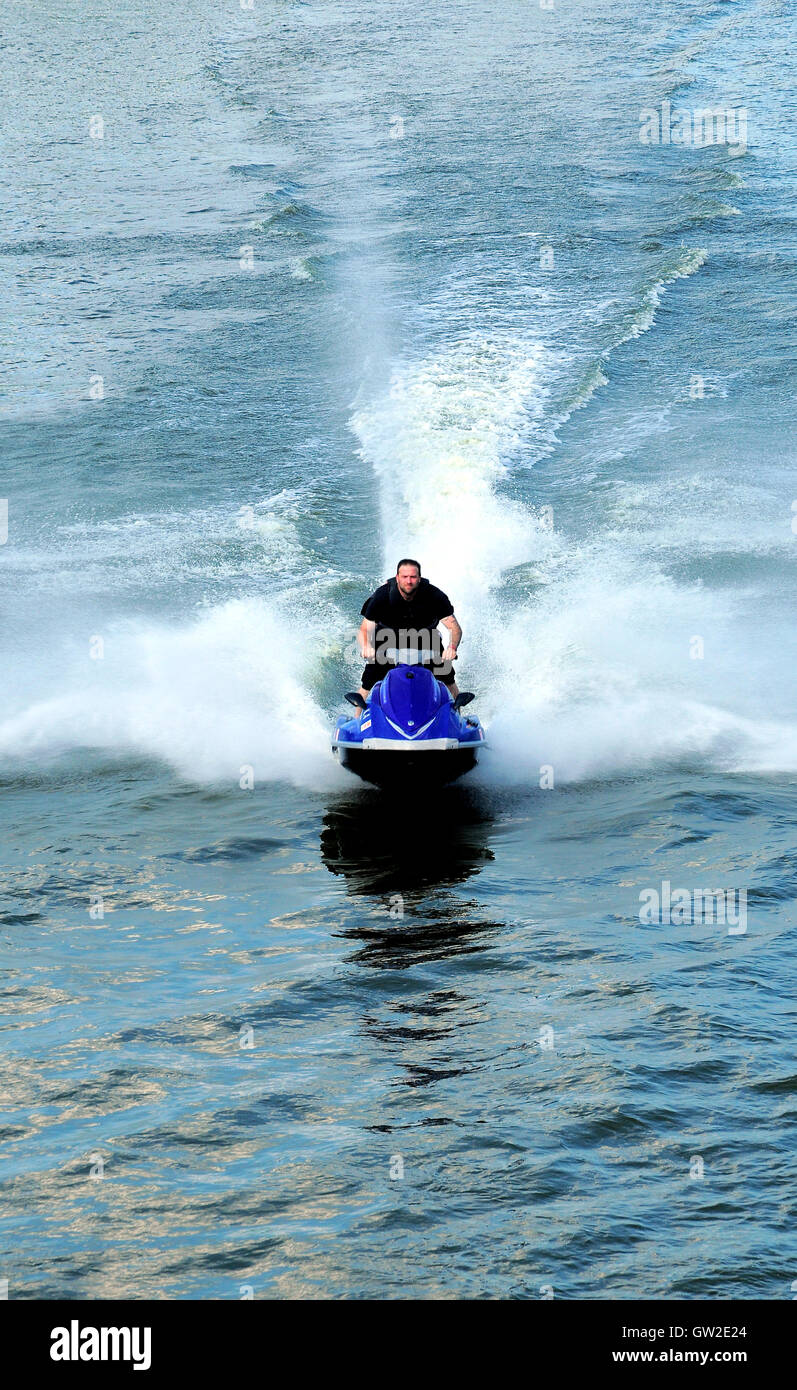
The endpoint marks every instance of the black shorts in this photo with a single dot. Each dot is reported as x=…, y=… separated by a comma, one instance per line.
x=375, y=671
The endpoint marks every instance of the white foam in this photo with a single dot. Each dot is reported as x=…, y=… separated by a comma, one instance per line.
x=583, y=657
x=689, y=261
x=438, y=444
x=615, y=667
x=230, y=691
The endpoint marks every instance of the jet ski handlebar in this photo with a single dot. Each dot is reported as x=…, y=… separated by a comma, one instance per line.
x=408, y=656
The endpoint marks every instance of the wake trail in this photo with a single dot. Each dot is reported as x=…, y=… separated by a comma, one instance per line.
x=579, y=647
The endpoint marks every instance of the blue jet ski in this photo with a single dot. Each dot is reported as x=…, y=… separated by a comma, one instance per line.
x=410, y=728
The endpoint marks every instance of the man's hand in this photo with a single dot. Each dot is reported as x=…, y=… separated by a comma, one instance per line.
x=365, y=640
x=455, y=633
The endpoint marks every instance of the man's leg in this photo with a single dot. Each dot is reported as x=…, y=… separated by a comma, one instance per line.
x=370, y=676
x=445, y=673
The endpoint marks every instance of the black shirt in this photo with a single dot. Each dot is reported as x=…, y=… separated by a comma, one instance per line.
x=410, y=624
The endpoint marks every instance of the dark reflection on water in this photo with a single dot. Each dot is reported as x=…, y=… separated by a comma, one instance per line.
x=424, y=1037
x=403, y=942
x=398, y=845
x=409, y=855
x=409, y=858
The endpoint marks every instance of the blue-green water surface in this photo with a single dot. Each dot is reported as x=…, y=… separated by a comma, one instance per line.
x=289, y=292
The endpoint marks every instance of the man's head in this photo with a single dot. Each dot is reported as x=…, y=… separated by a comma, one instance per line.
x=408, y=577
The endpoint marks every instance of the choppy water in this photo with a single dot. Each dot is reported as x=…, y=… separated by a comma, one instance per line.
x=340, y=283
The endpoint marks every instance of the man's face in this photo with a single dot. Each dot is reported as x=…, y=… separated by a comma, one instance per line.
x=408, y=580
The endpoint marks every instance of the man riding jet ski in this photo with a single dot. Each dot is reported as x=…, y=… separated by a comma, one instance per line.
x=408, y=720
x=403, y=615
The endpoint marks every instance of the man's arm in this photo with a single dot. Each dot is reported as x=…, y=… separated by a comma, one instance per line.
x=365, y=639
x=456, y=637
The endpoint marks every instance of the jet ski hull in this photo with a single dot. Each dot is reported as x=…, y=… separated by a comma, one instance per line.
x=397, y=767
x=410, y=731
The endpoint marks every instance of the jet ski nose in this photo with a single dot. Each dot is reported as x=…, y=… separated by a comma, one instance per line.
x=410, y=695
